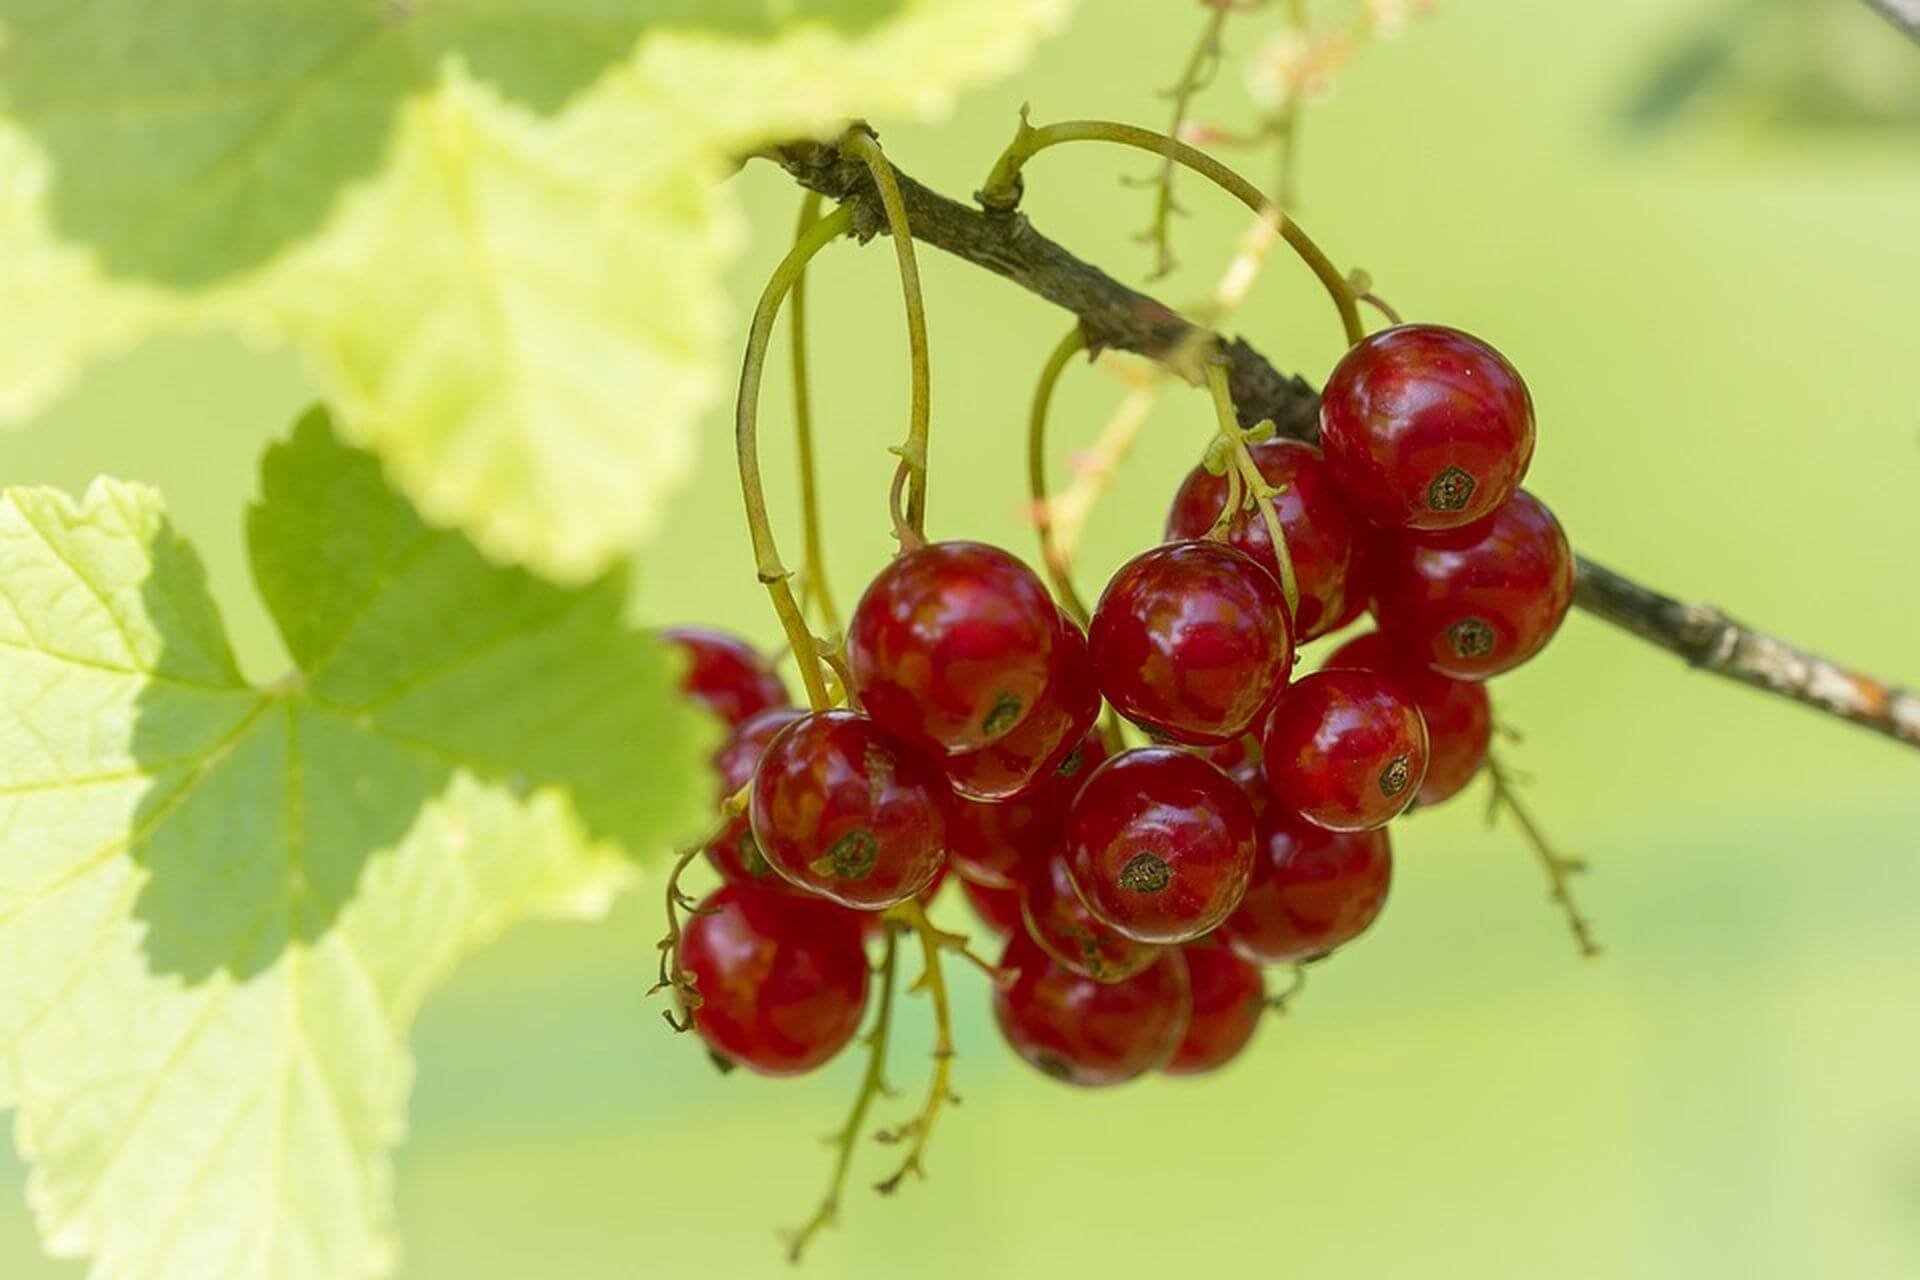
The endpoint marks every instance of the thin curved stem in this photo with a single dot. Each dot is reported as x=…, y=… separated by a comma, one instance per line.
x=917, y=1131
x=766, y=555
x=1256, y=483
x=1059, y=571
x=1558, y=868
x=1202, y=65
x=872, y=1084
x=1002, y=191
x=813, y=586
x=913, y=454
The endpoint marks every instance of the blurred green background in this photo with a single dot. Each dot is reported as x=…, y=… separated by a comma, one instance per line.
x=1713, y=299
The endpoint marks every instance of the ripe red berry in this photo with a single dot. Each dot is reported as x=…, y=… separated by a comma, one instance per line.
x=1426, y=427
x=1312, y=890
x=1478, y=601
x=1229, y=995
x=1345, y=749
x=1320, y=530
x=1458, y=714
x=1071, y=934
x=997, y=909
x=951, y=645
x=1359, y=579
x=995, y=842
x=1191, y=640
x=782, y=978
x=725, y=674
x=1160, y=844
x=840, y=808
x=734, y=853
x=1084, y=1032
x=1041, y=743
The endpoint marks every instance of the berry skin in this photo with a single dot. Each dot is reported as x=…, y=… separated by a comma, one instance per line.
x=841, y=809
x=994, y=843
x=951, y=645
x=782, y=978
x=1229, y=995
x=1090, y=1033
x=1312, y=890
x=1477, y=601
x=726, y=675
x=997, y=909
x=1346, y=750
x=1321, y=532
x=1458, y=715
x=1231, y=756
x=1425, y=427
x=1071, y=935
x=1042, y=741
x=1160, y=844
x=1191, y=640
x=734, y=853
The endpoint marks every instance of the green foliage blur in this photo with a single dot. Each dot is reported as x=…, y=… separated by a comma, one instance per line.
x=1714, y=310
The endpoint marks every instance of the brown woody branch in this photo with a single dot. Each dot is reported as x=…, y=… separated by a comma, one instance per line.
x=1904, y=14
x=1113, y=314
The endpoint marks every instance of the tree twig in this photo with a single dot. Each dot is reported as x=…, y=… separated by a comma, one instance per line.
x=1558, y=868
x=1710, y=640
x=1904, y=14
x=1113, y=314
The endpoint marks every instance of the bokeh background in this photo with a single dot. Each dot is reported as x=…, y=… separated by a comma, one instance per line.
x=1693, y=226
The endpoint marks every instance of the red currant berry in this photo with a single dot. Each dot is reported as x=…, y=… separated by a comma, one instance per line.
x=1229, y=995
x=1229, y=756
x=1160, y=844
x=995, y=842
x=782, y=979
x=1191, y=640
x=734, y=853
x=725, y=674
x=1359, y=580
x=1041, y=743
x=1478, y=601
x=1345, y=749
x=840, y=808
x=1068, y=932
x=1426, y=427
x=997, y=909
x=952, y=644
x=1320, y=531
x=1084, y=1032
x=1458, y=715
x=1312, y=890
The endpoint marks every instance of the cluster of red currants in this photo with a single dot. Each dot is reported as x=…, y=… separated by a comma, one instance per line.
x=1140, y=890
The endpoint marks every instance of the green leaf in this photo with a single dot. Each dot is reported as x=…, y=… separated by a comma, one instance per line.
x=221, y=906
x=194, y=137
x=521, y=308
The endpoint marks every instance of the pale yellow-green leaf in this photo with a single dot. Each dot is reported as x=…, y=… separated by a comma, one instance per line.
x=221, y=906
x=521, y=312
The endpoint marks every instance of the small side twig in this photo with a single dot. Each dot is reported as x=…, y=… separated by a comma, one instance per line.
x=686, y=994
x=919, y=1130
x=1559, y=868
x=672, y=975
x=873, y=1083
x=1281, y=1001
x=1203, y=64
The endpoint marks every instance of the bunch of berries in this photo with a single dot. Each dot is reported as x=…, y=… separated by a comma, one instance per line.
x=1141, y=890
